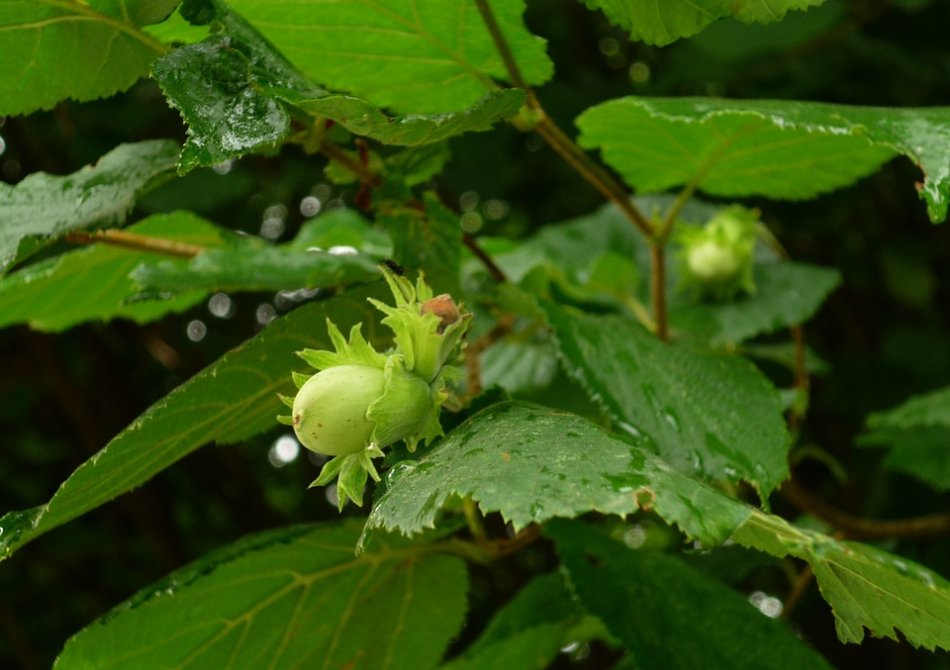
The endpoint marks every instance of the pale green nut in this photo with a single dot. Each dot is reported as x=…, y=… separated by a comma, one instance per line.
x=329, y=412
x=717, y=258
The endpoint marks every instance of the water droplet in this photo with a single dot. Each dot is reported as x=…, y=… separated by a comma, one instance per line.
x=310, y=206
x=196, y=330
x=272, y=228
x=397, y=471
x=468, y=201
x=221, y=306
x=342, y=250
x=265, y=313
x=285, y=450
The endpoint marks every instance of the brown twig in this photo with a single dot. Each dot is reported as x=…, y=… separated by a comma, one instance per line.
x=805, y=579
x=855, y=527
x=362, y=171
x=473, y=352
x=127, y=240
x=496, y=272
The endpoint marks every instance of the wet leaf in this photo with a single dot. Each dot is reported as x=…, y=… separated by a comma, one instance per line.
x=231, y=400
x=786, y=294
x=421, y=57
x=92, y=283
x=707, y=414
x=294, y=597
x=217, y=86
x=53, y=50
x=661, y=23
x=532, y=463
x=778, y=149
x=866, y=587
x=45, y=206
x=257, y=268
x=363, y=118
x=917, y=433
x=648, y=599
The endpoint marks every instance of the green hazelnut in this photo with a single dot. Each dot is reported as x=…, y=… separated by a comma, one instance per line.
x=329, y=412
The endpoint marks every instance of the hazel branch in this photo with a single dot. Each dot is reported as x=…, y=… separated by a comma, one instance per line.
x=127, y=240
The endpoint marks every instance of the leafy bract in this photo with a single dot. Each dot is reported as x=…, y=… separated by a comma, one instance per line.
x=779, y=149
x=707, y=414
x=647, y=598
x=58, y=49
x=232, y=399
x=661, y=23
x=531, y=464
x=363, y=118
x=290, y=598
x=414, y=57
x=918, y=434
x=865, y=587
x=93, y=283
x=252, y=267
x=43, y=206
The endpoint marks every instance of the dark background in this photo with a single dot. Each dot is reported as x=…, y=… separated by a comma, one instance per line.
x=885, y=332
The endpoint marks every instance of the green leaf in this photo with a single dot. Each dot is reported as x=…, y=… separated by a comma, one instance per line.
x=660, y=23
x=527, y=632
x=291, y=598
x=918, y=435
x=418, y=57
x=46, y=206
x=786, y=294
x=716, y=627
x=217, y=86
x=92, y=283
x=865, y=587
x=532, y=463
x=363, y=118
x=779, y=149
x=58, y=49
x=339, y=228
x=707, y=414
x=231, y=400
x=257, y=268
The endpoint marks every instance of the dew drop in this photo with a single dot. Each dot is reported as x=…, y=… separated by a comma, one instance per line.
x=196, y=330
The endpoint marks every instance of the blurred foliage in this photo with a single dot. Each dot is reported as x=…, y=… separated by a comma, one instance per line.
x=883, y=333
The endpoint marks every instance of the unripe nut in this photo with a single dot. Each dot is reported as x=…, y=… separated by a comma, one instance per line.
x=713, y=262
x=329, y=412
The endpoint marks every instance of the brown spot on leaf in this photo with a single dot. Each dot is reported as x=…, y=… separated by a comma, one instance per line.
x=645, y=498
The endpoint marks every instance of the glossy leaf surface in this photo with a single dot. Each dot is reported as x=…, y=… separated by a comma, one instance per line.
x=413, y=57
x=661, y=23
x=532, y=463
x=294, y=597
x=232, y=399
x=778, y=149
x=647, y=598
x=44, y=206
x=707, y=414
